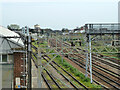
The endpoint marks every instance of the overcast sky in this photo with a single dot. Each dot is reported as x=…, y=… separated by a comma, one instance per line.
x=57, y=14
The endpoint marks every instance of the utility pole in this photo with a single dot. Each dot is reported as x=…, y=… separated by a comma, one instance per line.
x=39, y=63
x=29, y=86
x=90, y=58
x=62, y=49
x=87, y=40
x=87, y=56
x=90, y=53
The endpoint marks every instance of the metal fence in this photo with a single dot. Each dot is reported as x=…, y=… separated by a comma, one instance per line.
x=103, y=28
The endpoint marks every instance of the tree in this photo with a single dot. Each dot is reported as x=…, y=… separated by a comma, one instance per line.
x=8, y=27
x=65, y=30
x=42, y=31
x=13, y=27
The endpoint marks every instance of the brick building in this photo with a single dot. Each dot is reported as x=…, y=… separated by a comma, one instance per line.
x=12, y=52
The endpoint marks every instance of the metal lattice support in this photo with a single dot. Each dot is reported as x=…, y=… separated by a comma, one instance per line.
x=101, y=30
x=49, y=49
x=93, y=34
x=27, y=41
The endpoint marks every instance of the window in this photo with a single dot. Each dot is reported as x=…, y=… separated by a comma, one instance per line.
x=10, y=58
x=4, y=58
x=0, y=58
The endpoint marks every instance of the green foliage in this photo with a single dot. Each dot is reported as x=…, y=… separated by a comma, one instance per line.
x=68, y=67
x=13, y=26
x=81, y=77
x=52, y=51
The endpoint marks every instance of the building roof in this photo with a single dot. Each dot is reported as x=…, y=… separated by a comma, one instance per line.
x=8, y=45
x=6, y=32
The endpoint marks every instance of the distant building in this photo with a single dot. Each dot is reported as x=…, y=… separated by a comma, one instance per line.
x=37, y=28
x=80, y=30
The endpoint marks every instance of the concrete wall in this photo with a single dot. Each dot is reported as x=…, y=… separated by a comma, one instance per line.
x=0, y=77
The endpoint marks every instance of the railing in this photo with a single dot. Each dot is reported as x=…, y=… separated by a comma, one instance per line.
x=111, y=28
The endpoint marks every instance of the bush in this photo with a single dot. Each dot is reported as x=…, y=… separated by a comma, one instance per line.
x=77, y=74
x=80, y=76
x=86, y=80
x=66, y=65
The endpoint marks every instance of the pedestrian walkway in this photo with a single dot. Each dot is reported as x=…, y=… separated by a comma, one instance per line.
x=34, y=76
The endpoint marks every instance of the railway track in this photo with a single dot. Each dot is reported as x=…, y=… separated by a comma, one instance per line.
x=65, y=76
x=95, y=73
x=46, y=81
x=110, y=59
x=101, y=76
x=116, y=66
x=102, y=69
x=94, y=63
x=56, y=67
x=52, y=78
x=34, y=47
x=104, y=61
x=49, y=82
